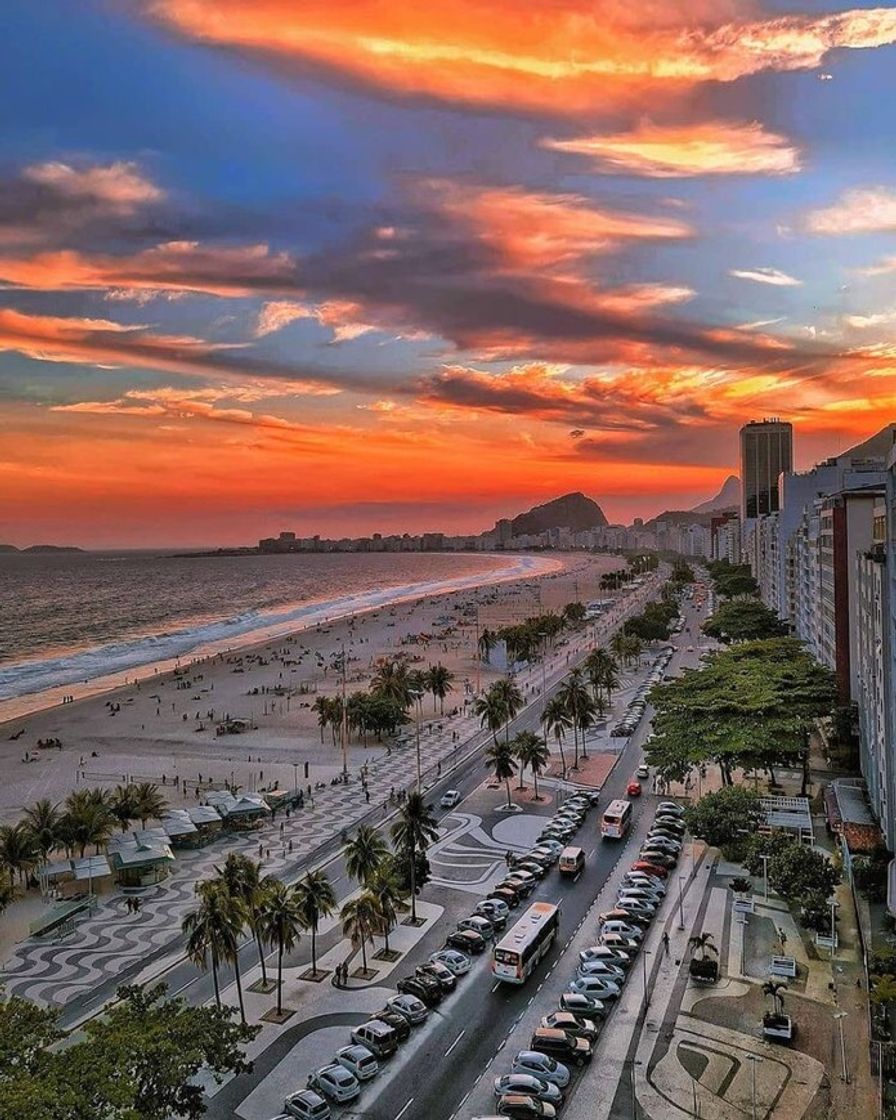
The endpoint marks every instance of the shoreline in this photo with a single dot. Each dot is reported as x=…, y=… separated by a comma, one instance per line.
x=304, y=616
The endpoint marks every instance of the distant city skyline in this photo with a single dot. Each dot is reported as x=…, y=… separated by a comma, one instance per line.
x=371, y=267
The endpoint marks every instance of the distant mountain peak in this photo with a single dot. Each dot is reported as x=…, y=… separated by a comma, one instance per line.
x=573, y=511
x=727, y=498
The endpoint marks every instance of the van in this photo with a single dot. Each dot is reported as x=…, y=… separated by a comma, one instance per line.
x=572, y=861
x=379, y=1038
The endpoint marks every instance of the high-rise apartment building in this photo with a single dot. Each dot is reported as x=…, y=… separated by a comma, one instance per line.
x=766, y=451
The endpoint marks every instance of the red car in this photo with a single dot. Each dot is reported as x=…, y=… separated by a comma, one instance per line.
x=633, y=789
x=649, y=868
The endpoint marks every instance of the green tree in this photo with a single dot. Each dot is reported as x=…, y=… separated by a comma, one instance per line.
x=390, y=895
x=280, y=921
x=242, y=879
x=316, y=899
x=149, y=803
x=364, y=854
x=213, y=931
x=797, y=872
x=775, y=990
x=439, y=681
x=86, y=819
x=744, y=620
x=574, y=614
x=704, y=943
x=555, y=719
x=486, y=643
x=361, y=920
x=532, y=751
x=489, y=707
x=19, y=853
x=499, y=757
x=736, y=584
x=413, y=832
x=122, y=806
x=42, y=821
x=510, y=699
x=603, y=673
x=575, y=698
x=724, y=817
x=392, y=681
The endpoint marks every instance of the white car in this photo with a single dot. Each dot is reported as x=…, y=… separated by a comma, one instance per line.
x=459, y=963
x=602, y=968
x=633, y=933
x=450, y=798
x=542, y=1066
x=640, y=880
x=643, y=771
x=640, y=894
x=307, y=1105
x=359, y=1061
x=617, y=957
x=598, y=986
x=413, y=1009
x=664, y=843
x=336, y=1083
x=637, y=907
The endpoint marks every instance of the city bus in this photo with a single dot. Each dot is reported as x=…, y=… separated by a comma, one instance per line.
x=616, y=820
x=520, y=950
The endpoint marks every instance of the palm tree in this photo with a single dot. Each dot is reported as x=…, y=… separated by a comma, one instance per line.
x=775, y=989
x=485, y=645
x=384, y=886
x=413, y=832
x=619, y=644
x=122, y=806
x=532, y=751
x=315, y=899
x=392, y=680
x=365, y=854
x=241, y=878
x=555, y=718
x=213, y=931
x=703, y=942
x=149, y=804
x=42, y=822
x=280, y=921
x=602, y=672
x=574, y=696
x=87, y=819
x=499, y=757
x=323, y=709
x=589, y=711
x=361, y=920
x=439, y=682
x=490, y=710
x=18, y=850
x=511, y=700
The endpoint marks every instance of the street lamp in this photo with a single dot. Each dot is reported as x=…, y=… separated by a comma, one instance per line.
x=844, y=1072
x=416, y=695
x=765, y=860
x=753, y=1059
x=645, y=953
x=680, y=904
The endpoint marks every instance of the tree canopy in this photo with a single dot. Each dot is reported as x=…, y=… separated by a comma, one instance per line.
x=721, y=818
x=748, y=706
x=743, y=620
x=138, y=1061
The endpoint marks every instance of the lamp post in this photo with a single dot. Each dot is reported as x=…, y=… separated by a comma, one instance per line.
x=844, y=1072
x=680, y=904
x=417, y=697
x=753, y=1059
x=295, y=777
x=765, y=860
x=645, y=953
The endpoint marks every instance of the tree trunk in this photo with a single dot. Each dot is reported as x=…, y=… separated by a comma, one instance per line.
x=575, y=747
x=280, y=976
x=521, y=786
x=507, y=787
x=562, y=755
x=535, y=781
x=363, y=949
x=239, y=985
x=314, y=949
x=215, y=981
x=413, y=854
x=264, y=971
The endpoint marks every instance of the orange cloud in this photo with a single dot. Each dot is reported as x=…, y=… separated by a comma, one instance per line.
x=567, y=57
x=864, y=210
x=686, y=151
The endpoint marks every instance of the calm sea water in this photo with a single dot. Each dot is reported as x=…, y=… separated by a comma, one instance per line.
x=77, y=617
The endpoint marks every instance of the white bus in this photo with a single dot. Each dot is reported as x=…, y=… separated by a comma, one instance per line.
x=616, y=820
x=520, y=950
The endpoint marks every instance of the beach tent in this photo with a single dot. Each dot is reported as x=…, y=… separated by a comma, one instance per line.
x=72, y=878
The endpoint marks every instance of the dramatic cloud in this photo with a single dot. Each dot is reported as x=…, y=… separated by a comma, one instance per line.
x=641, y=297
x=766, y=276
x=120, y=185
x=687, y=151
x=564, y=58
x=865, y=210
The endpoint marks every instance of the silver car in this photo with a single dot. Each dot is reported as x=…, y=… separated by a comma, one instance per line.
x=602, y=968
x=530, y=1085
x=542, y=1066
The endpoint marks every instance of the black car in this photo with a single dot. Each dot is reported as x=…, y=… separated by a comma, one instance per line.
x=561, y=1045
x=392, y=1019
x=466, y=940
x=506, y=894
x=656, y=857
x=443, y=975
x=523, y=887
x=532, y=865
x=428, y=991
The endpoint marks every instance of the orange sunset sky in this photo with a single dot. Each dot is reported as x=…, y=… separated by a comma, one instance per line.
x=360, y=265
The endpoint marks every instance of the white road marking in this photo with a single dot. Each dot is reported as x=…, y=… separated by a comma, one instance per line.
x=496, y=985
x=398, y=1115
x=453, y=1044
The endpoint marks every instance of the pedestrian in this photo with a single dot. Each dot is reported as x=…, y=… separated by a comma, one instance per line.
x=666, y=942
x=367, y=795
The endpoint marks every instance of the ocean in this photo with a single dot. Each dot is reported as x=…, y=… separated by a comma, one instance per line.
x=79, y=619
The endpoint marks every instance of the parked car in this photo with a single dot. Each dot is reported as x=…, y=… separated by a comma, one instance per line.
x=522, y=1107
x=602, y=968
x=617, y=941
x=650, y=868
x=440, y=972
x=307, y=1105
x=494, y=911
x=378, y=1037
x=561, y=1045
x=641, y=881
x=670, y=807
x=633, y=789
x=643, y=771
x=579, y=1004
x=625, y=929
x=530, y=1085
x=467, y=940
x=395, y=1020
x=657, y=857
x=526, y=879
x=532, y=866
x=335, y=1083
x=506, y=894
x=459, y=963
x=359, y=1060
x=574, y=1024
x=639, y=894
x=618, y=957
x=667, y=828
x=621, y=914
x=425, y=988
x=601, y=987
x=411, y=1007
x=542, y=1066
x=450, y=798
x=539, y=856
x=637, y=907
x=481, y=925
x=664, y=843
x=554, y=847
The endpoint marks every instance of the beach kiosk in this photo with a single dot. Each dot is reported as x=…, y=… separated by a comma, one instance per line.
x=243, y=812
x=141, y=862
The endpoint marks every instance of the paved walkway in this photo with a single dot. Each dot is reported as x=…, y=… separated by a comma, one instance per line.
x=112, y=943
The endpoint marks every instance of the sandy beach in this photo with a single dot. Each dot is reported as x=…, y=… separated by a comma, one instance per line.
x=165, y=726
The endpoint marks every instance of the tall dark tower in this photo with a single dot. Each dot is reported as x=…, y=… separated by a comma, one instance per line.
x=766, y=449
